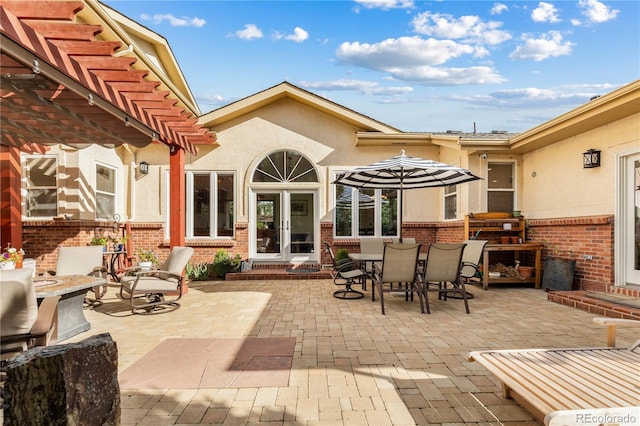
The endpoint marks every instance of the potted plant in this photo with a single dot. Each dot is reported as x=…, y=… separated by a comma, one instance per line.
x=146, y=259
x=99, y=240
x=11, y=258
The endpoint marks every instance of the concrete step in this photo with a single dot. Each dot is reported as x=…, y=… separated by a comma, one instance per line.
x=281, y=271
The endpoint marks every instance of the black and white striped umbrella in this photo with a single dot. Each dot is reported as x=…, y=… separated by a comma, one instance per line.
x=405, y=172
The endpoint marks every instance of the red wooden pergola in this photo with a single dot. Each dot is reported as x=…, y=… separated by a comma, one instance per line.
x=60, y=85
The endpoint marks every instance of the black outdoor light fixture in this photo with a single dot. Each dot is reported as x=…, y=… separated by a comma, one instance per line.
x=591, y=159
x=143, y=167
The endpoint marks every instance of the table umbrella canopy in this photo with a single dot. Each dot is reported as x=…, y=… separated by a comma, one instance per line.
x=405, y=172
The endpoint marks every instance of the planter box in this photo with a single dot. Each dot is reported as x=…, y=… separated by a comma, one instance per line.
x=558, y=274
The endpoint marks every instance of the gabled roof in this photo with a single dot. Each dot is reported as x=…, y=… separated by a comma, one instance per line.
x=288, y=90
x=62, y=85
x=598, y=112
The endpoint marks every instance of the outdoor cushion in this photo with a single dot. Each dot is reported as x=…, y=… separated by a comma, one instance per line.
x=19, y=306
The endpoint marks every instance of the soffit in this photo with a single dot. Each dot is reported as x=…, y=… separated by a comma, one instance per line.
x=52, y=106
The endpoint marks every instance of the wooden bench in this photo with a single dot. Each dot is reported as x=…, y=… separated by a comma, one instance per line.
x=572, y=386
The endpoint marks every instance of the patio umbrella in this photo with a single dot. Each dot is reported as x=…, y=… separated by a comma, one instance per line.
x=405, y=172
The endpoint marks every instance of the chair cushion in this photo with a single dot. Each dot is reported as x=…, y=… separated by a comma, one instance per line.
x=19, y=307
x=78, y=260
x=149, y=284
x=177, y=260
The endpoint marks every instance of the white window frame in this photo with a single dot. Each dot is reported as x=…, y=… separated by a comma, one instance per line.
x=26, y=189
x=213, y=202
x=453, y=194
x=355, y=225
x=514, y=184
x=114, y=195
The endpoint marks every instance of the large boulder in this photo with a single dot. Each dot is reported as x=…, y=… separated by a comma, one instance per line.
x=69, y=384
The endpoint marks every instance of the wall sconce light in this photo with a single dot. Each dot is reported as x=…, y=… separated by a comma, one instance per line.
x=591, y=159
x=90, y=99
x=143, y=167
x=126, y=121
x=36, y=67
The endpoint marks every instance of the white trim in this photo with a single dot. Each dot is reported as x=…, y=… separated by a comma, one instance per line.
x=621, y=232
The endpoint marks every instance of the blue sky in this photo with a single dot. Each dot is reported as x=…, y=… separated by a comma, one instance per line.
x=420, y=66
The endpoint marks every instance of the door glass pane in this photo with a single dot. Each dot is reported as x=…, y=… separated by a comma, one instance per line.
x=389, y=206
x=636, y=193
x=201, y=205
x=268, y=223
x=366, y=212
x=302, y=223
x=343, y=210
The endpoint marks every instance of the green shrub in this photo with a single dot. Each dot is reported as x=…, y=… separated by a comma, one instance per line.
x=199, y=271
x=223, y=263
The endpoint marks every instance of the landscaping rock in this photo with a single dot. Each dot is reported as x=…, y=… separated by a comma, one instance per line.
x=69, y=384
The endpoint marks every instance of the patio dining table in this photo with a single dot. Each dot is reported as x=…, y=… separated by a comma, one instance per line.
x=72, y=290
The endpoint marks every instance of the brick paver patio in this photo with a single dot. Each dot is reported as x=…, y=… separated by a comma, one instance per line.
x=351, y=365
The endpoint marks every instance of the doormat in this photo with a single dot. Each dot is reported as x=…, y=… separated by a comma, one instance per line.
x=192, y=363
x=628, y=301
x=303, y=270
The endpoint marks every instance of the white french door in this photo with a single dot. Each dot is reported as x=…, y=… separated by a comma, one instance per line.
x=628, y=232
x=283, y=225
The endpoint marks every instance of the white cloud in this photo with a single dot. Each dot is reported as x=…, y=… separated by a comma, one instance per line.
x=597, y=12
x=414, y=59
x=442, y=76
x=364, y=87
x=547, y=46
x=469, y=28
x=545, y=12
x=401, y=52
x=532, y=97
x=250, y=32
x=498, y=8
x=298, y=35
x=212, y=100
x=173, y=20
x=385, y=4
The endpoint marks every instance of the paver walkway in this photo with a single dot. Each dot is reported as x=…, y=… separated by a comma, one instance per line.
x=351, y=365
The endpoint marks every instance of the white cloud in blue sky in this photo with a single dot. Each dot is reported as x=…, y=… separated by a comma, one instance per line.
x=416, y=65
x=173, y=20
x=545, y=12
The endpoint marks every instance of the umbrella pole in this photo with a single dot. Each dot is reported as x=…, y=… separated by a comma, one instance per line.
x=400, y=213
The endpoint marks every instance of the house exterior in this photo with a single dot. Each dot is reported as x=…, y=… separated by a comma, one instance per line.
x=264, y=189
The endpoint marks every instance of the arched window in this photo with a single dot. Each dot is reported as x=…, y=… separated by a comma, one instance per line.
x=285, y=166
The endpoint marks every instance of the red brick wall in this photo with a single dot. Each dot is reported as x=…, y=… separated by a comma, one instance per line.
x=577, y=237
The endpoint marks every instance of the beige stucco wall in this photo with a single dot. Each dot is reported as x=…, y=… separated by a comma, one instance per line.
x=556, y=185
x=326, y=141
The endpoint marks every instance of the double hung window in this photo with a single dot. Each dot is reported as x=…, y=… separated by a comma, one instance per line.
x=501, y=187
x=450, y=202
x=105, y=192
x=41, y=186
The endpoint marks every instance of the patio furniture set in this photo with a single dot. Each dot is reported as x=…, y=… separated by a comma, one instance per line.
x=43, y=310
x=400, y=267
